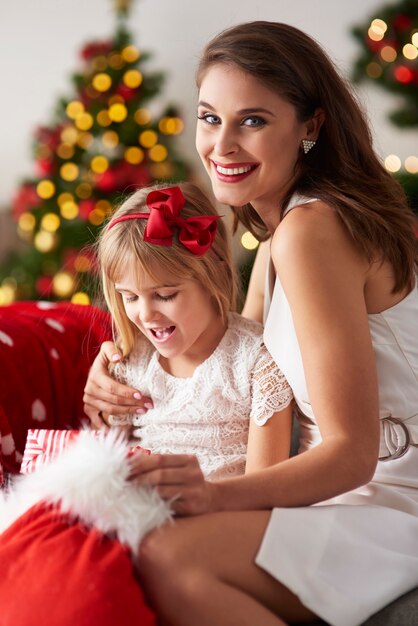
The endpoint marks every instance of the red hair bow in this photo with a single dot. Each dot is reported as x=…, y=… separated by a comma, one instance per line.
x=195, y=233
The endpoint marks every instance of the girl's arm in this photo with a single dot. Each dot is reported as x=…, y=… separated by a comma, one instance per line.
x=254, y=301
x=269, y=444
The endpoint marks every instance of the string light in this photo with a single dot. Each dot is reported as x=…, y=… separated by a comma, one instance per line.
x=45, y=189
x=171, y=125
x=118, y=112
x=102, y=82
x=69, y=172
x=409, y=51
x=132, y=79
x=411, y=164
x=44, y=241
x=84, y=121
x=63, y=284
x=130, y=54
x=388, y=54
x=69, y=135
x=142, y=117
x=116, y=61
x=69, y=210
x=148, y=138
x=99, y=164
x=65, y=151
x=27, y=222
x=83, y=191
x=65, y=197
x=96, y=217
x=74, y=108
x=374, y=70
x=85, y=140
x=82, y=263
x=80, y=297
x=248, y=241
x=103, y=118
x=393, y=163
x=158, y=153
x=110, y=139
x=133, y=155
x=50, y=222
x=7, y=294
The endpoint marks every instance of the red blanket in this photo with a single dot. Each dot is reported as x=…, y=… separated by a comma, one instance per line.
x=46, y=350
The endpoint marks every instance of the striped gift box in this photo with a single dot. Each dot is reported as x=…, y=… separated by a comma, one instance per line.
x=43, y=445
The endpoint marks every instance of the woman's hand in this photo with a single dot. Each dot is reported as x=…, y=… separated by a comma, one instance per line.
x=103, y=394
x=178, y=479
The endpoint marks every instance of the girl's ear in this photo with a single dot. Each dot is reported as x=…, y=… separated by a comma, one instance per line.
x=313, y=125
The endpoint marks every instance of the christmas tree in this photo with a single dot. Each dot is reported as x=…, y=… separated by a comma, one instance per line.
x=102, y=143
x=389, y=58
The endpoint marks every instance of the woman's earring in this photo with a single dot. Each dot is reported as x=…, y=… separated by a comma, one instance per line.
x=307, y=144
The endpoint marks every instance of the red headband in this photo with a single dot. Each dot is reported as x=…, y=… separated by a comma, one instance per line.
x=195, y=233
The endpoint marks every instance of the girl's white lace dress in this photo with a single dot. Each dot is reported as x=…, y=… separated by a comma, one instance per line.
x=208, y=414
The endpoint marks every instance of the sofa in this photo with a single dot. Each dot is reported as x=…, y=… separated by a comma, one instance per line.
x=46, y=350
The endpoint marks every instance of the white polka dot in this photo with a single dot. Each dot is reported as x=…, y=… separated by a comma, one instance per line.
x=7, y=444
x=43, y=304
x=38, y=411
x=54, y=324
x=6, y=339
x=54, y=354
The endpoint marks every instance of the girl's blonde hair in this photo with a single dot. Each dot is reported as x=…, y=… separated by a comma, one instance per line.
x=123, y=245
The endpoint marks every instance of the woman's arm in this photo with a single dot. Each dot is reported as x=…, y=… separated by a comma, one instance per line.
x=103, y=394
x=254, y=301
x=324, y=278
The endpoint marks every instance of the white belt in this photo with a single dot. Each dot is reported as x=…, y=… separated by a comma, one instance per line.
x=396, y=437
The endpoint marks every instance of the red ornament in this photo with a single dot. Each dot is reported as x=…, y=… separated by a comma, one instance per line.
x=85, y=207
x=403, y=74
x=43, y=286
x=95, y=48
x=43, y=167
x=126, y=92
x=26, y=199
x=402, y=22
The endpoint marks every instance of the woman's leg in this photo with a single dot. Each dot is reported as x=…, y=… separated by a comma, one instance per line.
x=201, y=570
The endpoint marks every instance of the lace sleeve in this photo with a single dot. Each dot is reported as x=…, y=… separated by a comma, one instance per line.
x=270, y=390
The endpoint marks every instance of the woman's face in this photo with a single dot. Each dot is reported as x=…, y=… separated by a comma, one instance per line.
x=248, y=138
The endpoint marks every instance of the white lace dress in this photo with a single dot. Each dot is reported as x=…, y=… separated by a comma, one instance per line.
x=208, y=414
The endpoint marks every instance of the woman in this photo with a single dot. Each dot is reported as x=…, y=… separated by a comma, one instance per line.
x=285, y=143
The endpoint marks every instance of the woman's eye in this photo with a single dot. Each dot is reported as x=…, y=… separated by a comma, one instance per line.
x=253, y=121
x=209, y=118
x=130, y=298
x=165, y=298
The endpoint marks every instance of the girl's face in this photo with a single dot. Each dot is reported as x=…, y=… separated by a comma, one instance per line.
x=177, y=316
x=248, y=138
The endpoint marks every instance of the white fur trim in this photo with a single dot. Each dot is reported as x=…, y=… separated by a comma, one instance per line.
x=89, y=480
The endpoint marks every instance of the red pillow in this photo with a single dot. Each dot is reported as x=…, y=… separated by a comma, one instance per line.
x=56, y=572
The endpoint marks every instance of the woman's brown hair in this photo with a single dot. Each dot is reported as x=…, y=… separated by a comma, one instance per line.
x=342, y=169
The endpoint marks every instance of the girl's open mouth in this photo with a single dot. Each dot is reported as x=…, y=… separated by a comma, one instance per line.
x=162, y=334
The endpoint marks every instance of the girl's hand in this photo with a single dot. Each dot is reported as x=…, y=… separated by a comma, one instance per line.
x=178, y=479
x=104, y=395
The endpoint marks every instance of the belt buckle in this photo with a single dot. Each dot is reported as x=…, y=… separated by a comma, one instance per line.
x=401, y=449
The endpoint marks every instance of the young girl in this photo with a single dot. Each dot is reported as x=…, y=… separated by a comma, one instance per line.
x=170, y=285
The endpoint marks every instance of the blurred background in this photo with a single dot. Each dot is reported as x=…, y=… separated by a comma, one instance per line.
x=99, y=96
